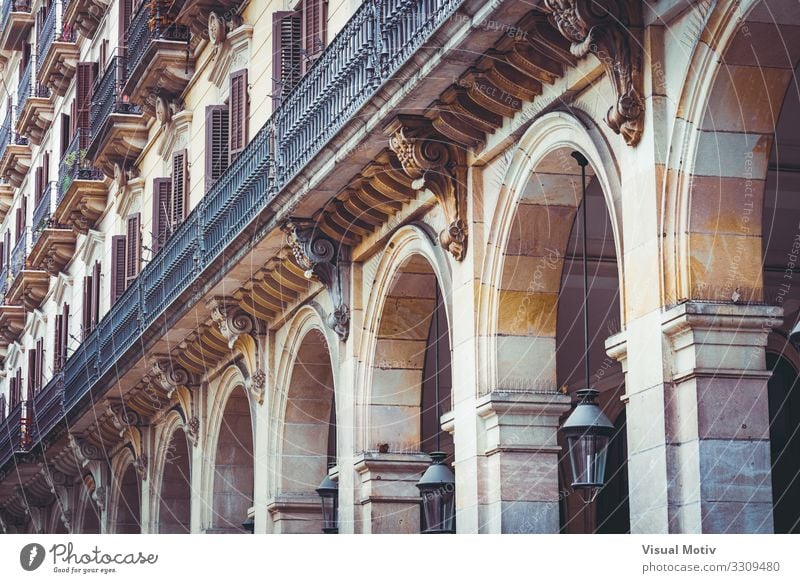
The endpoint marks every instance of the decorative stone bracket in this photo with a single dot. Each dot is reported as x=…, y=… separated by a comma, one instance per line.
x=84, y=450
x=256, y=385
x=611, y=30
x=435, y=163
x=318, y=255
x=167, y=378
x=192, y=430
x=121, y=417
x=232, y=321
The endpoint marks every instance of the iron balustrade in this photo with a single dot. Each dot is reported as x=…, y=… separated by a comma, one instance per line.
x=8, y=135
x=48, y=407
x=19, y=254
x=3, y=284
x=368, y=51
x=150, y=23
x=52, y=30
x=10, y=6
x=43, y=213
x=107, y=97
x=14, y=432
x=25, y=88
x=74, y=165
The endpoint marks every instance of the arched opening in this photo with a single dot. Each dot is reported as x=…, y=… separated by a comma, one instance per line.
x=233, y=466
x=309, y=438
x=410, y=391
x=91, y=519
x=128, y=517
x=174, y=514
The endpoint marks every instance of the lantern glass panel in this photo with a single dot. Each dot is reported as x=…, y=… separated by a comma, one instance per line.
x=438, y=509
x=330, y=511
x=587, y=456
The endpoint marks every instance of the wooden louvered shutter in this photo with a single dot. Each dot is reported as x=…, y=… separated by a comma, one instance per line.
x=87, y=308
x=13, y=393
x=39, y=381
x=23, y=214
x=2, y=256
x=32, y=358
x=287, y=45
x=95, y=294
x=125, y=14
x=133, y=249
x=162, y=211
x=315, y=24
x=238, y=113
x=217, y=130
x=64, y=334
x=37, y=184
x=118, y=272
x=2, y=408
x=19, y=384
x=180, y=187
x=83, y=97
x=59, y=337
x=46, y=170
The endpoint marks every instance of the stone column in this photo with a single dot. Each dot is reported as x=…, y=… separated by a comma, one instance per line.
x=698, y=436
x=389, y=498
x=520, y=464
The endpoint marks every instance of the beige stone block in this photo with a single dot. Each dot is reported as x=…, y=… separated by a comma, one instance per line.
x=400, y=353
x=305, y=439
x=641, y=265
x=396, y=386
x=527, y=314
x=759, y=44
x=721, y=264
x=737, y=517
x=726, y=205
x=540, y=230
x=308, y=410
x=533, y=274
x=553, y=190
x=393, y=518
x=645, y=419
x=526, y=476
x=396, y=425
x=405, y=318
x=414, y=285
x=746, y=99
x=526, y=363
x=738, y=155
x=302, y=473
x=732, y=408
x=734, y=470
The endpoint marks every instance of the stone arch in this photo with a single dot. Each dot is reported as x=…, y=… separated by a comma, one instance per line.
x=88, y=516
x=305, y=434
x=526, y=243
x=231, y=438
x=125, y=506
x=171, y=506
x=714, y=190
x=393, y=343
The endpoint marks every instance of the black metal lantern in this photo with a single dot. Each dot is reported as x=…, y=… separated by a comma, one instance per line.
x=588, y=432
x=329, y=495
x=249, y=525
x=438, y=490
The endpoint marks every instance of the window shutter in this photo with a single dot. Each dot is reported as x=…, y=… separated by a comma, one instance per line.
x=13, y=393
x=87, y=309
x=315, y=23
x=37, y=184
x=39, y=381
x=23, y=214
x=118, y=272
x=46, y=170
x=217, y=130
x=238, y=113
x=95, y=294
x=2, y=257
x=133, y=249
x=85, y=81
x=162, y=211
x=65, y=334
x=125, y=14
x=59, y=337
x=32, y=359
x=180, y=187
x=2, y=408
x=286, y=53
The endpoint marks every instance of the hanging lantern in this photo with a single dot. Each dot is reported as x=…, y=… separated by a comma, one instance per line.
x=438, y=489
x=329, y=495
x=588, y=432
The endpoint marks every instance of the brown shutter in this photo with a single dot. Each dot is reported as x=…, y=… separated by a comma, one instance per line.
x=117, y=266
x=133, y=249
x=180, y=187
x=287, y=47
x=32, y=358
x=217, y=130
x=37, y=184
x=315, y=24
x=46, y=169
x=23, y=214
x=95, y=294
x=2, y=257
x=238, y=113
x=162, y=211
x=85, y=80
x=59, y=337
x=125, y=14
x=87, y=308
x=13, y=393
x=65, y=334
x=39, y=365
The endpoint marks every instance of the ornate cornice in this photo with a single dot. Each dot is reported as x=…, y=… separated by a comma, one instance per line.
x=437, y=164
x=611, y=31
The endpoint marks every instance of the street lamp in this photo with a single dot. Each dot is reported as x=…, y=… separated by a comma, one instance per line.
x=437, y=487
x=249, y=525
x=329, y=495
x=587, y=431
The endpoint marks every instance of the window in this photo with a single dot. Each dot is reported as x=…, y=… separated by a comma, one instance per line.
x=217, y=128
x=61, y=339
x=287, y=47
x=91, y=300
x=35, y=369
x=15, y=385
x=126, y=256
x=162, y=212
x=180, y=188
x=86, y=74
x=238, y=113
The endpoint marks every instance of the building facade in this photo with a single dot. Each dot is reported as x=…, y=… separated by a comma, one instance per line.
x=249, y=244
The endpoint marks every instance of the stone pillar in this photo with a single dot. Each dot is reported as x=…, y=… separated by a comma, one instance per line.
x=296, y=514
x=520, y=464
x=389, y=498
x=698, y=436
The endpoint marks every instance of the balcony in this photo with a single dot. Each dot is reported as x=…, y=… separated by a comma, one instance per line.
x=15, y=24
x=52, y=244
x=15, y=432
x=85, y=15
x=6, y=198
x=194, y=13
x=118, y=128
x=27, y=286
x=15, y=152
x=36, y=108
x=81, y=192
x=159, y=63
x=58, y=52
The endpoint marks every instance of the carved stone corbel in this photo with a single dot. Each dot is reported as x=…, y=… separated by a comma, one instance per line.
x=256, y=385
x=192, y=430
x=231, y=320
x=83, y=450
x=99, y=498
x=435, y=163
x=319, y=257
x=167, y=378
x=140, y=465
x=121, y=417
x=611, y=30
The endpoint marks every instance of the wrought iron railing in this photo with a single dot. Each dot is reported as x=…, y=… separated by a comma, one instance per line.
x=151, y=22
x=3, y=283
x=368, y=51
x=74, y=165
x=14, y=435
x=48, y=407
x=43, y=213
x=10, y=6
x=107, y=97
x=19, y=254
x=53, y=30
x=8, y=135
x=29, y=87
